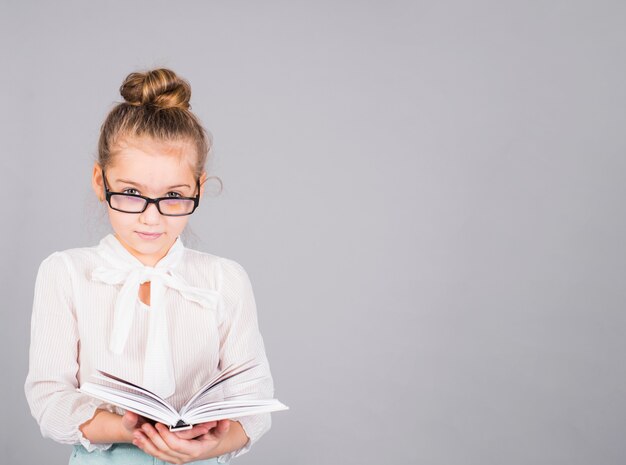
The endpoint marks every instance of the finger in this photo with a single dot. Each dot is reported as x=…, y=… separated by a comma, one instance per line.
x=188, y=450
x=197, y=430
x=208, y=424
x=144, y=442
x=206, y=427
x=154, y=436
x=158, y=439
x=185, y=447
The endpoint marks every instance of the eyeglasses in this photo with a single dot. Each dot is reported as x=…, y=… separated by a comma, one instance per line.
x=167, y=206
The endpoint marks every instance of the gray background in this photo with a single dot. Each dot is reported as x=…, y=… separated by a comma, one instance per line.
x=428, y=197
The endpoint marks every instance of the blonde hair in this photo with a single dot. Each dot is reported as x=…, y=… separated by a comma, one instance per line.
x=156, y=105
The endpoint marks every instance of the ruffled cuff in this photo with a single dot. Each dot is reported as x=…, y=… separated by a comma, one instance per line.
x=254, y=427
x=225, y=458
x=87, y=414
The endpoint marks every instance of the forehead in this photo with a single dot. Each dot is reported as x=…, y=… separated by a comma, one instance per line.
x=152, y=162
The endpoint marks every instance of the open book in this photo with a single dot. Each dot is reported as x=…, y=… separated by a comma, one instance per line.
x=199, y=409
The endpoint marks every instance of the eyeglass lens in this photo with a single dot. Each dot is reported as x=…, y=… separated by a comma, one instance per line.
x=133, y=204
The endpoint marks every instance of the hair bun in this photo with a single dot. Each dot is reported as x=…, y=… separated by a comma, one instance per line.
x=159, y=87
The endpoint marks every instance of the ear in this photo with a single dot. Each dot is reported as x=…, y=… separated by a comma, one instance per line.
x=97, y=183
x=203, y=178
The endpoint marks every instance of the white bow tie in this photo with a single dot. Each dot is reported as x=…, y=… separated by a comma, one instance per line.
x=158, y=374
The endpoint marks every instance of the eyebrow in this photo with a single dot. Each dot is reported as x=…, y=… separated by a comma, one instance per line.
x=125, y=181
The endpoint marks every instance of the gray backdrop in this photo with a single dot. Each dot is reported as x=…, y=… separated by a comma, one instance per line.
x=425, y=194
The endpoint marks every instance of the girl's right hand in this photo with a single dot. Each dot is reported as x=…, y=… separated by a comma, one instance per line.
x=131, y=422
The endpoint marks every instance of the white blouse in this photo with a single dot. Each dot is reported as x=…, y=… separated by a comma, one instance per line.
x=202, y=307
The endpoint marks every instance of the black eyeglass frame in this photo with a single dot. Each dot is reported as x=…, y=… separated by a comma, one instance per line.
x=108, y=194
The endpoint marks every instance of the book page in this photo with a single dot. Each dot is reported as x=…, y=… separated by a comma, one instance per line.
x=137, y=403
x=102, y=375
x=222, y=376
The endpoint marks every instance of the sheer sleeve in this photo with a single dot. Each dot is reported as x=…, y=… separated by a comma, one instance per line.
x=51, y=382
x=240, y=340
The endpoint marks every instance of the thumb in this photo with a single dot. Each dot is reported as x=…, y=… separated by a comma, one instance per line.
x=130, y=420
x=222, y=427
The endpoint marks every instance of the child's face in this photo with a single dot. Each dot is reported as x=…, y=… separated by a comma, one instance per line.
x=151, y=168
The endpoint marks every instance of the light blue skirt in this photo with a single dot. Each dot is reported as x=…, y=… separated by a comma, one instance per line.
x=121, y=454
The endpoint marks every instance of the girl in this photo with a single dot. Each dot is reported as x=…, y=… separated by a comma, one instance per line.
x=139, y=304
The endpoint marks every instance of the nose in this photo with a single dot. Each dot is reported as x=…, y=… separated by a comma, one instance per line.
x=150, y=215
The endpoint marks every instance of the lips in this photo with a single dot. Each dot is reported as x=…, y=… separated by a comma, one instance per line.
x=144, y=235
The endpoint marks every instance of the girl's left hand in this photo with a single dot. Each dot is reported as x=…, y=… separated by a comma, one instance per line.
x=177, y=448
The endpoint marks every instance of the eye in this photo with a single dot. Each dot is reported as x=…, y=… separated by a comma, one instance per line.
x=173, y=194
x=131, y=191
